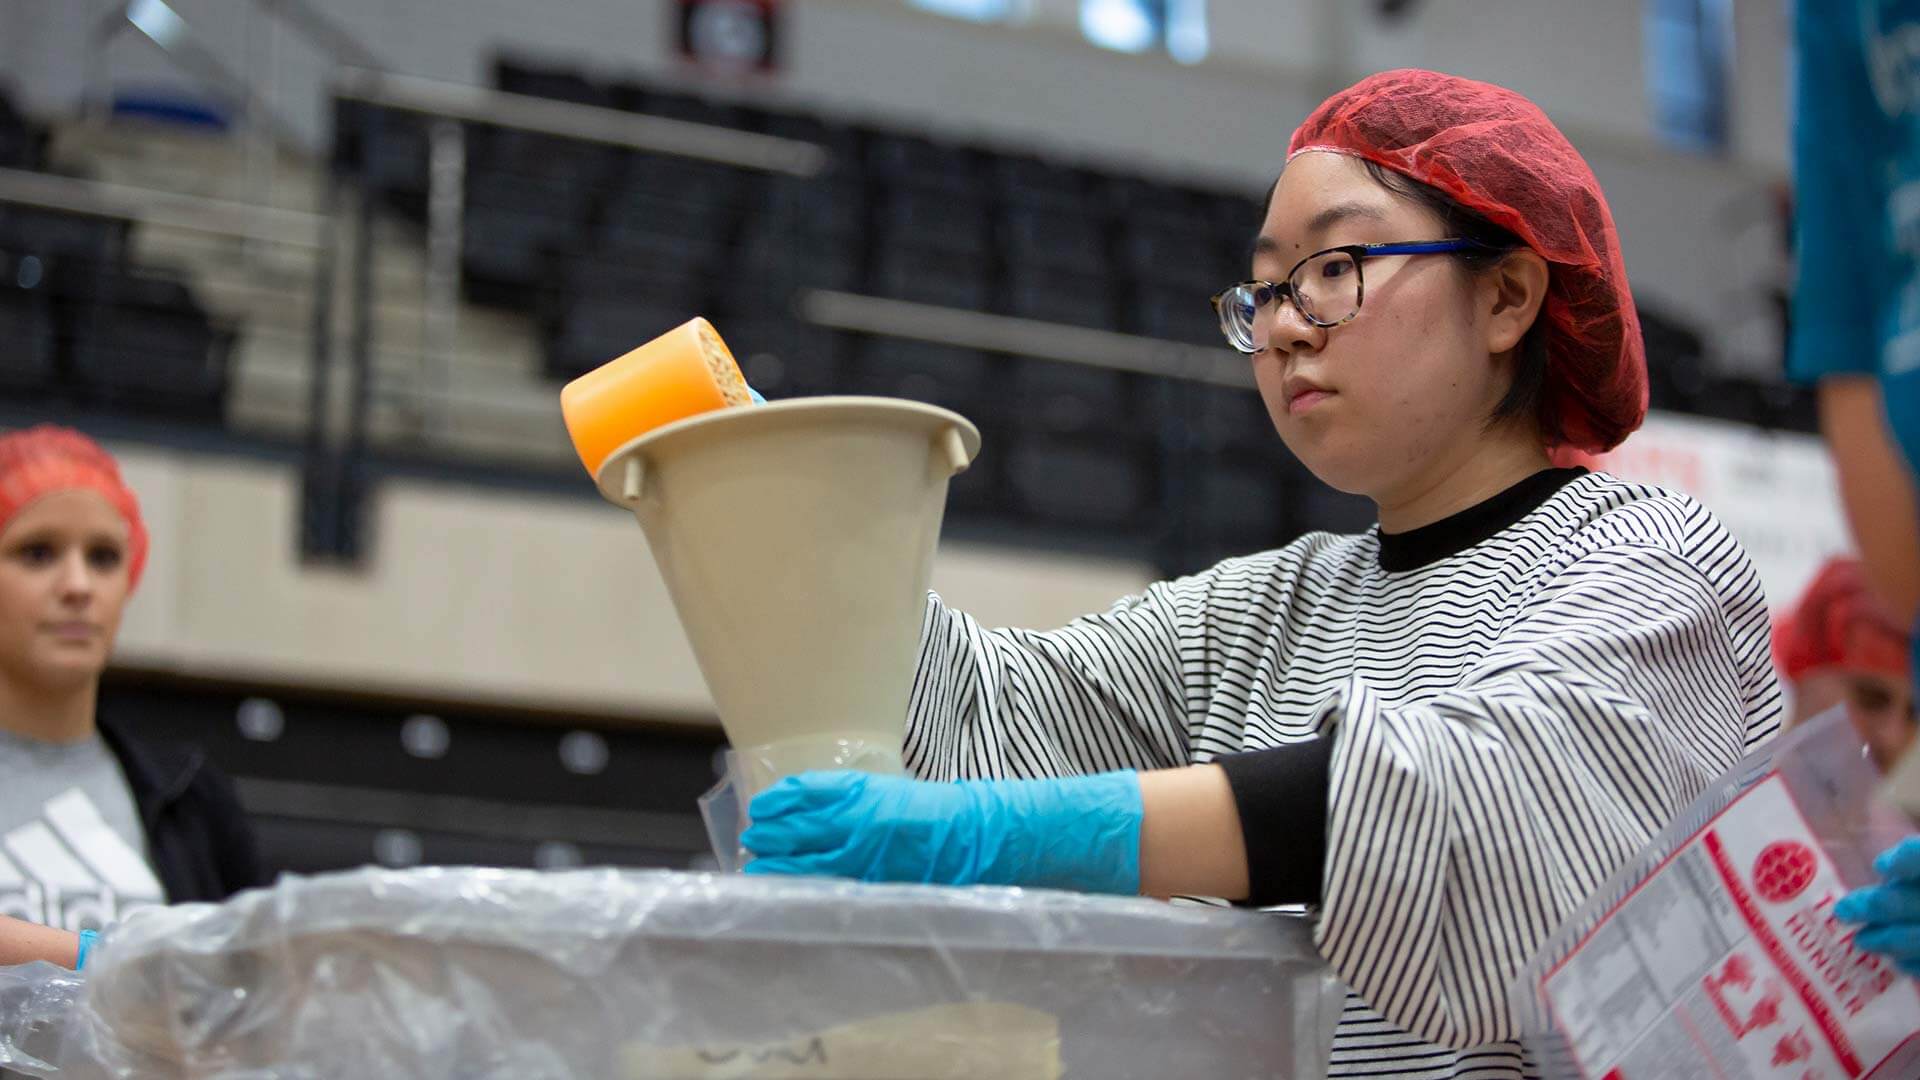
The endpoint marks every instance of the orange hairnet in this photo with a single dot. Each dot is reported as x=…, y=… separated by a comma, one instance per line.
x=1495, y=153
x=1839, y=624
x=46, y=459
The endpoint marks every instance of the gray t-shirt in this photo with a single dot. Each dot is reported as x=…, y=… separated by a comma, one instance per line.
x=72, y=850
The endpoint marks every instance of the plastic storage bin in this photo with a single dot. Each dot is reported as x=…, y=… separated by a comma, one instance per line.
x=499, y=973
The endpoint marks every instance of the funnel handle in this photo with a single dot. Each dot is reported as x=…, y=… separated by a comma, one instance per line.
x=954, y=448
x=633, y=477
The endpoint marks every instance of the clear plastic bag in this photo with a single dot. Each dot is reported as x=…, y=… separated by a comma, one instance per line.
x=1819, y=769
x=752, y=769
x=495, y=973
x=35, y=1003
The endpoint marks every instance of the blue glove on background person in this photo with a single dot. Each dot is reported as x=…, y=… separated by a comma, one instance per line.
x=1080, y=833
x=1890, y=911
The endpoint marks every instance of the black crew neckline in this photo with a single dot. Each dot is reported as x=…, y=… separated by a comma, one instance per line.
x=1452, y=535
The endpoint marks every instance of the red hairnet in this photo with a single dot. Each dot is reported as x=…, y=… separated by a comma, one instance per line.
x=1495, y=153
x=47, y=459
x=1839, y=624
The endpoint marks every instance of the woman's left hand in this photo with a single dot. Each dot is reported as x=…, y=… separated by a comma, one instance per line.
x=1891, y=910
x=1079, y=833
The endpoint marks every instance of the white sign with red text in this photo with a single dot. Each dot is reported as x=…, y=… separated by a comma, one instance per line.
x=1776, y=491
x=1727, y=963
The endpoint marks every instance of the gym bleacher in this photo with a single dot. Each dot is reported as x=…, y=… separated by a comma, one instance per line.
x=86, y=324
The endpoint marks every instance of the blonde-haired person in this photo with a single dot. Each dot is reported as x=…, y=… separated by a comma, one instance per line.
x=1443, y=732
x=82, y=796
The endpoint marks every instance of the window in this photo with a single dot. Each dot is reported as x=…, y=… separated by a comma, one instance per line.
x=1688, y=45
x=975, y=10
x=1139, y=26
x=1130, y=26
x=1123, y=25
x=1187, y=30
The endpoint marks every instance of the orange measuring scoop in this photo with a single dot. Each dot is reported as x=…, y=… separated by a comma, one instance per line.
x=684, y=372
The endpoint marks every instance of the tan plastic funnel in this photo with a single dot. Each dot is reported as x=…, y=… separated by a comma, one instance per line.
x=797, y=541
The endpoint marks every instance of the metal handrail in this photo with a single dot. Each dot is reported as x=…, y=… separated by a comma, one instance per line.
x=340, y=45
x=223, y=217
x=448, y=107
x=591, y=123
x=164, y=27
x=1033, y=338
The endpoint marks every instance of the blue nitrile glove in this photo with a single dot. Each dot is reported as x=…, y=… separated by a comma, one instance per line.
x=757, y=399
x=1080, y=833
x=1890, y=910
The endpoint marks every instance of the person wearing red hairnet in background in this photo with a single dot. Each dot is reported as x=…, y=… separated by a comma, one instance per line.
x=1841, y=645
x=1444, y=732
x=80, y=795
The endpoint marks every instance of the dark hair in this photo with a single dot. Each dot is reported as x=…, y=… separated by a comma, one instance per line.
x=1530, y=358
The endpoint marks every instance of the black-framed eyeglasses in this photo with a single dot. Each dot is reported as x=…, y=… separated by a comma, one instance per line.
x=1326, y=287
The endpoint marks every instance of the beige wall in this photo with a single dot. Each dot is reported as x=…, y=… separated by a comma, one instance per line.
x=493, y=597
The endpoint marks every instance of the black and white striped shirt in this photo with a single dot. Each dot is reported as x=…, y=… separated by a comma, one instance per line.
x=1516, y=699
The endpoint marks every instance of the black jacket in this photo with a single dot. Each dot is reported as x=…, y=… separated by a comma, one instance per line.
x=197, y=835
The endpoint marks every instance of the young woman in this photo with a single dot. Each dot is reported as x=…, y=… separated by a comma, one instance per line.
x=1443, y=732
x=93, y=821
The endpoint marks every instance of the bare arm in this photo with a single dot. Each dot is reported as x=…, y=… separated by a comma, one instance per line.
x=1190, y=836
x=24, y=942
x=1876, y=488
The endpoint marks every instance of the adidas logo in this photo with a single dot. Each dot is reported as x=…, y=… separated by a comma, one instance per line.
x=70, y=869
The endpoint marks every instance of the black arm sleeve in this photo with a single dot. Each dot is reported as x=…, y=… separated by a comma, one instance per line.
x=1282, y=798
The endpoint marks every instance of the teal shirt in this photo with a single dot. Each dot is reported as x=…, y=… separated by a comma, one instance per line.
x=1856, y=157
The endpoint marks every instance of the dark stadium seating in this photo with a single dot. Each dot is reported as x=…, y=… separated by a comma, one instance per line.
x=141, y=342
x=26, y=325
